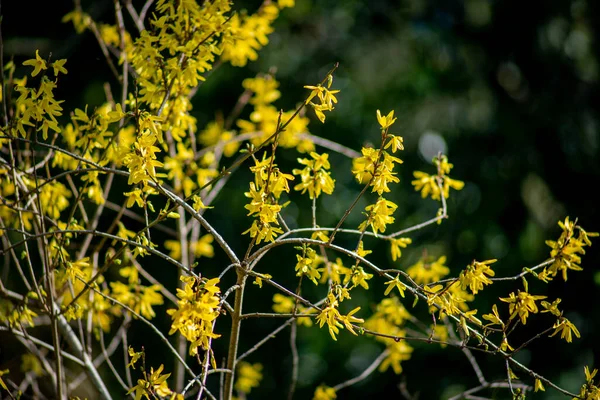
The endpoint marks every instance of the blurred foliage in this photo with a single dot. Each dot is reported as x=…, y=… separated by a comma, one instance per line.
x=505, y=89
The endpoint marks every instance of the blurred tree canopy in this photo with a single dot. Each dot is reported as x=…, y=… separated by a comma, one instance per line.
x=508, y=90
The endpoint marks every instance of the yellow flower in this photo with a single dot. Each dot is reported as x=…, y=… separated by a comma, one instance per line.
x=3, y=385
x=396, y=142
x=566, y=329
x=445, y=299
x=329, y=315
x=399, y=351
x=197, y=308
x=566, y=250
x=428, y=184
x=386, y=121
x=203, y=247
x=396, y=244
x=522, y=304
x=135, y=356
x=379, y=215
x=552, y=307
x=361, y=251
x=324, y=392
x=264, y=88
x=349, y=319
x=154, y=385
x=539, y=386
x=37, y=63
x=428, y=271
x=314, y=177
x=59, y=67
x=475, y=277
x=286, y=3
x=307, y=265
x=335, y=270
x=358, y=276
x=248, y=376
x=30, y=363
x=326, y=97
x=395, y=283
x=494, y=318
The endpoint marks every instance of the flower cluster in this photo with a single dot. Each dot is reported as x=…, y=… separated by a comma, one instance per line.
x=265, y=117
x=287, y=304
x=388, y=319
x=331, y=316
x=248, y=376
x=154, y=385
x=269, y=183
x=315, y=176
x=197, y=309
x=308, y=263
x=428, y=270
x=37, y=108
x=475, y=276
x=326, y=98
x=567, y=249
x=396, y=245
x=437, y=185
x=324, y=392
x=376, y=168
x=589, y=390
x=448, y=300
x=139, y=298
x=521, y=304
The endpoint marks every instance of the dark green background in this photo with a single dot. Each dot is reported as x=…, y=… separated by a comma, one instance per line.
x=509, y=92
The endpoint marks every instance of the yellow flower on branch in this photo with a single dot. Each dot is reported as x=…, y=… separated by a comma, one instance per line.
x=329, y=315
x=552, y=307
x=398, y=352
x=386, y=121
x=494, y=317
x=307, y=265
x=566, y=250
x=522, y=304
x=395, y=283
x=426, y=270
x=437, y=185
x=324, y=392
x=154, y=385
x=396, y=244
x=475, y=276
x=38, y=64
x=197, y=308
x=566, y=329
x=314, y=177
x=379, y=215
x=326, y=97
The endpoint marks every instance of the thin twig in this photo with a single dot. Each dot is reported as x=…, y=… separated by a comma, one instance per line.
x=368, y=371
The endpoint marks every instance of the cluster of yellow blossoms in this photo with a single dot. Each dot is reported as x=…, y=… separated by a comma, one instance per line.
x=376, y=168
x=315, y=177
x=269, y=183
x=197, y=309
x=437, y=185
x=153, y=136
x=153, y=383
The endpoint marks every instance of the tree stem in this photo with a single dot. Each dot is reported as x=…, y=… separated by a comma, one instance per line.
x=236, y=320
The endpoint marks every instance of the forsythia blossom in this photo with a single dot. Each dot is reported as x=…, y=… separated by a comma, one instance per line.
x=197, y=308
x=437, y=185
x=566, y=250
x=315, y=176
x=326, y=98
x=476, y=275
x=522, y=304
